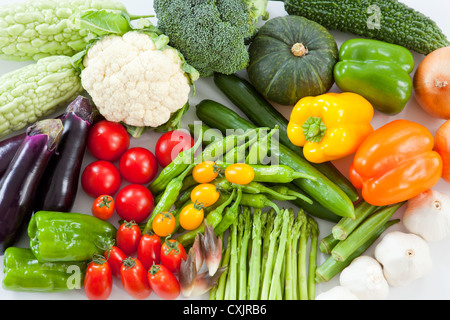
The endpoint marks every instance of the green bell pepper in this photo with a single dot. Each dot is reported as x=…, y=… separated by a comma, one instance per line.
x=64, y=236
x=23, y=272
x=378, y=71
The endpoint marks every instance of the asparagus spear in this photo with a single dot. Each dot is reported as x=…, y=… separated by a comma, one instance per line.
x=243, y=252
x=254, y=273
x=275, y=283
x=220, y=291
x=312, y=258
x=231, y=285
x=270, y=257
x=302, y=257
x=288, y=278
x=266, y=240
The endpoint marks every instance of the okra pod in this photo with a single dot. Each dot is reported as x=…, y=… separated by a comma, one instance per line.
x=331, y=267
x=363, y=233
x=346, y=225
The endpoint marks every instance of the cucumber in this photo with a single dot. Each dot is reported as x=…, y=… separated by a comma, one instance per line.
x=263, y=114
x=386, y=20
x=322, y=190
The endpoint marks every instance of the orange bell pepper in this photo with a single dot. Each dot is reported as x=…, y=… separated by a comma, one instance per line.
x=396, y=163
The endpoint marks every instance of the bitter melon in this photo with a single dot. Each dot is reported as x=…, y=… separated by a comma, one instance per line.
x=386, y=20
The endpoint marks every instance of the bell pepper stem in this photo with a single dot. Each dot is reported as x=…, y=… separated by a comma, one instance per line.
x=314, y=129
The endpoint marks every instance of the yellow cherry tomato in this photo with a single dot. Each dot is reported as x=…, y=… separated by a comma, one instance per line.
x=163, y=224
x=205, y=172
x=191, y=216
x=205, y=194
x=239, y=173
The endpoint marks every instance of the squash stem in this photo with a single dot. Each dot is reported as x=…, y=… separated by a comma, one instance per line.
x=299, y=50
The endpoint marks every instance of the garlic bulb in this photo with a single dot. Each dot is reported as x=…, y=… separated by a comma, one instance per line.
x=337, y=293
x=428, y=215
x=364, y=278
x=405, y=257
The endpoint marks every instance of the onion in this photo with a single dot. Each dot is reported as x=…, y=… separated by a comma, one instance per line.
x=432, y=83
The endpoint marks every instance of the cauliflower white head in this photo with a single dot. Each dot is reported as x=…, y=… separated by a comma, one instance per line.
x=132, y=81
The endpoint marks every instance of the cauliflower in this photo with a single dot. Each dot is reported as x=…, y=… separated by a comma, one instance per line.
x=136, y=79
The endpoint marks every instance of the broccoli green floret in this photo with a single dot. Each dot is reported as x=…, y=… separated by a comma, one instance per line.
x=211, y=34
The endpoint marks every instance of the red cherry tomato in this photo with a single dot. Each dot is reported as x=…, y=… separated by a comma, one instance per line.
x=163, y=282
x=149, y=250
x=170, y=144
x=98, y=280
x=134, y=202
x=134, y=278
x=138, y=165
x=115, y=256
x=128, y=236
x=103, y=207
x=172, y=252
x=99, y=178
x=108, y=140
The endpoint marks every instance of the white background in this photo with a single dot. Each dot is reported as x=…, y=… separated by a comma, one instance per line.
x=434, y=286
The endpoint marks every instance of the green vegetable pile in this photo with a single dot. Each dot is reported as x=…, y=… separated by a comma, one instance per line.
x=268, y=257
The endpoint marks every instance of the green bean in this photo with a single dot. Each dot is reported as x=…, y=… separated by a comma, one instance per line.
x=213, y=218
x=230, y=215
x=169, y=196
x=272, y=173
x=287, y=194
x=184, y=160
x=260, y=201
x=363, y=233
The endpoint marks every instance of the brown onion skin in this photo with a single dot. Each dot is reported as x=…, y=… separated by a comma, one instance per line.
x=432, y=83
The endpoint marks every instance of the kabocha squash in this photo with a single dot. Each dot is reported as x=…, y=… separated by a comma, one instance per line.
x=292, y=57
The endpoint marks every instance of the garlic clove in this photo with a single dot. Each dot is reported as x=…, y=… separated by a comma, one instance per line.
x=364, y=278
x=428, y=215
x=337, y=293
x=404, y=257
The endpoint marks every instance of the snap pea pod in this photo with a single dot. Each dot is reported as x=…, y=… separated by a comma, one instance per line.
x=230, y=215
x=259, y=201
x=175, y=168
x=169, y=196
x=213, y=218
x=273, y=173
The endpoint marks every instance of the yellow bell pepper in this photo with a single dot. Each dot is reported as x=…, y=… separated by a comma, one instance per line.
x=330, y=126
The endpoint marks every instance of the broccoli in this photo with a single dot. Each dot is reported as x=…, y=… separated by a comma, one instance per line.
x=211, y=34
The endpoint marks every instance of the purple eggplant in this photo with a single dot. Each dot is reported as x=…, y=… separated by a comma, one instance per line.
x=59, y=185
x=8, y=149
x=21, y=180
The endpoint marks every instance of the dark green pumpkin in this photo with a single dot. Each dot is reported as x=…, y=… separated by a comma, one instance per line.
x=292, y=57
